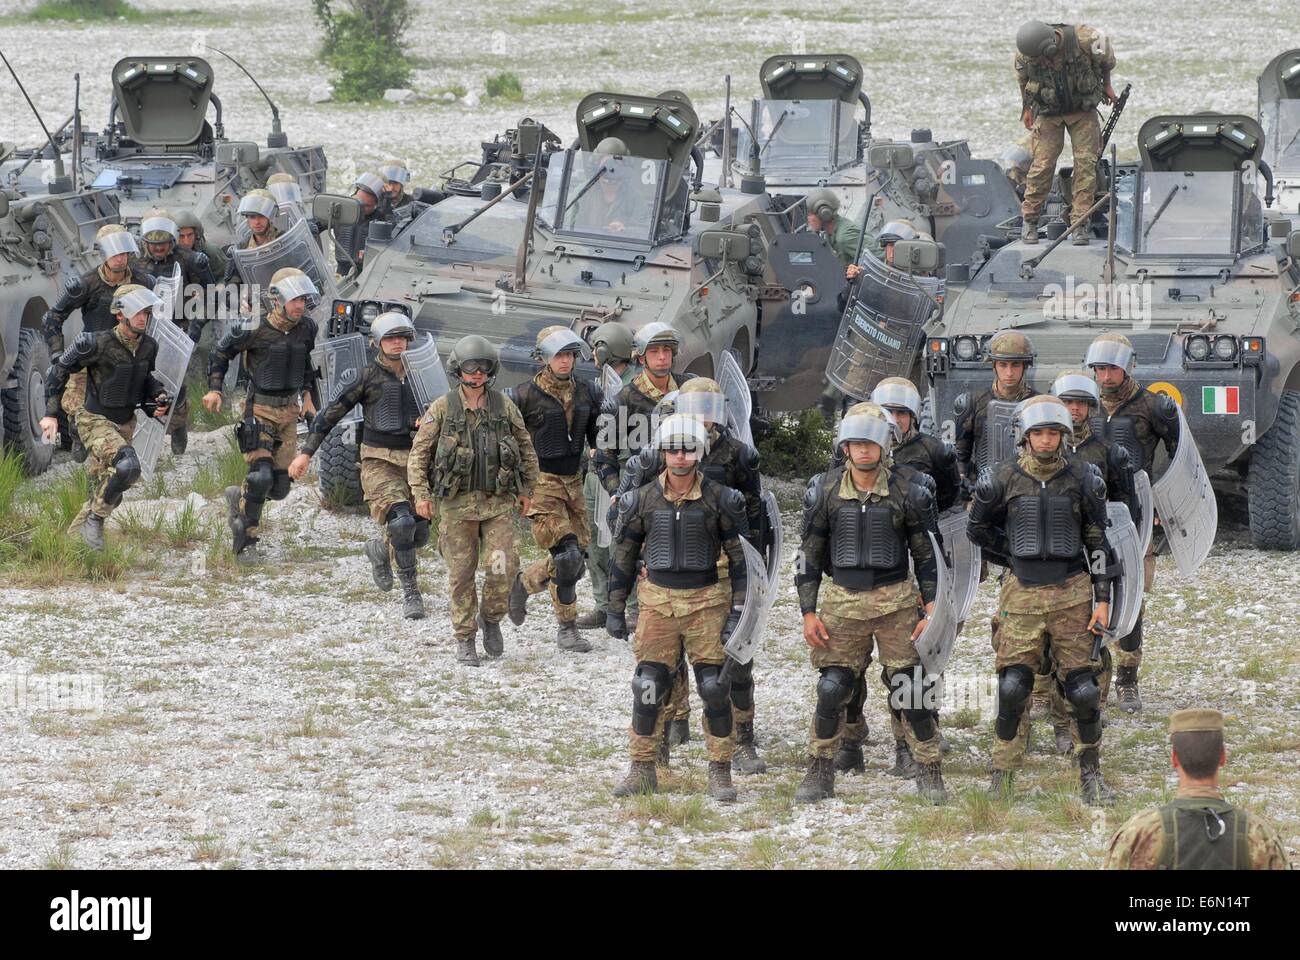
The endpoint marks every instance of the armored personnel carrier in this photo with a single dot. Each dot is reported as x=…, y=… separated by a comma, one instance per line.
x=1279, y=115
x=1198, y=278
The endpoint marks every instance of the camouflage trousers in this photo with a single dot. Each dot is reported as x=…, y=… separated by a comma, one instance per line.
x=384, y=483
x=1133, y=658
x=283, y=421
x=180, y=412
x=103, y=439
x=679, y=707
x=466, y=543
x=1047, y=143
x=851, y=643
x=670, y=622
x=557, y=510
x=74, y=395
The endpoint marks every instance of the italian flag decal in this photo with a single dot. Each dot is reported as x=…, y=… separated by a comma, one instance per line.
x=1219, y=400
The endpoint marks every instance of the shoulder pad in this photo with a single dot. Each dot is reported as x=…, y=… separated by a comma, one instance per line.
x=74, y=285
x=813, y=498
x=945, y=453
x=812, y=493
x=917, y=478
x=199, y=259
x=732, y=502
x=308, y=323
x=628, y=502
x=962, y=404
x=1165, y=408
x=988, y=487
x=1118, y=458
x=235, y=336
x=747, y=456
x=79, y=349
x=919, y=495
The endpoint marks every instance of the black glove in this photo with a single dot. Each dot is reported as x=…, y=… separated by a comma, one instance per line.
x=616, y=625
x=729, y=627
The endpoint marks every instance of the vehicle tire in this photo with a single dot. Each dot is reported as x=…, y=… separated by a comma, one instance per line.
x=24, y=405
x=338, y=464
x=1273, y=481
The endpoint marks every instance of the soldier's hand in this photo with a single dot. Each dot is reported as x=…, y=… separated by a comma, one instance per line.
x=852, y=271
x=299, y=466
x=49, y=429
x=1100, y=618
x=1111, y=95
x=525, y=504
x=1027, y=117
x=814, y=631
x=308, y=407
x=616, y=625
x=923, y=622
x=212, y=401
x=424, y=508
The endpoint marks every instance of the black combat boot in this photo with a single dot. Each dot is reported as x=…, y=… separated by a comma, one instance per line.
x=180, y=440
x=380, y=567
x=929, y=783
x=591, y=621
x=746, y=759
x=1029, y=231
x=244, y=546
x=720, y=786
x=408, y=574
x=1126, y=689
x=1000, y=785
x=1093, y=788
x=640, y=779
x=465, y=652
x=92, y=531
x=568, y=638
x=848, y=756
x=493, y=643
x=79, y=451
x=517, y=601
x=818, y=782
x=904, y=766
x=679, y=731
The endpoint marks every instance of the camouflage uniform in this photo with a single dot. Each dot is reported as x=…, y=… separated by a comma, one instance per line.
x=475, y=521
x=971, y=415
x=1063, y=93
x=195, y=271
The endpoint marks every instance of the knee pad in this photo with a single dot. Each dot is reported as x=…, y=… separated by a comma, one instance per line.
x=716, y=695
x=652, y=685
x=853, y=709
x=259, y=480
x=280, y=484
x=742, y=686
x=1133, y=642
x=401, y=527
x=908, y=694
x=1015, y=684
x=1084, y=697
x=834, y=690
x=568, y=560
x=421, y=531
x=127, y=465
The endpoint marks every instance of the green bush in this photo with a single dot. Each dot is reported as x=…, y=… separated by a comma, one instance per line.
x=85, y=10
x=798, y=446
x=504, y=86
x=364, y=43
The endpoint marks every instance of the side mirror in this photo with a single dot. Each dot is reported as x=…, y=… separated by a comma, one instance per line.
x=333, y=210
x=1293, y=245
x=710, y=202
x=884, y=156
x=4, y=206
x=237, y=153
x=724, y=245
x=916, y=256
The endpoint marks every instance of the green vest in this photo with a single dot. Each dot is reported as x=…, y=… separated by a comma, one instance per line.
x=484, y=459
x=1067, y=83
x=1203, y=834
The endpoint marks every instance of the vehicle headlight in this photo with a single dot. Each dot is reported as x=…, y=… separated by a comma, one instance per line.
x=1225, y=348
x=368, y=313
x=1198, y=348
x=966, y=348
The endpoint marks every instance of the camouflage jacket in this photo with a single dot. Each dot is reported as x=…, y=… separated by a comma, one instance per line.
x=626, y=425
x=93, y=296
x=1074, y=80
x=119, y=374
x=1143, y=843
x=1139, y=419
x=911, y=518
x=383, y=396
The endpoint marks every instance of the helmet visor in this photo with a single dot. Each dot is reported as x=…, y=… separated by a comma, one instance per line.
x=135, y=301
x=1109, y=353
x=115, y=243
x=1075, y=386
x=707, y=407
x=393, y=173
x=285, y=192
x=862, y=427
x=158, y=225
x=252, y=206
x=898, y=395
x=562, y=341
x=1045, y=415
x=291, y=288
x=682, y=433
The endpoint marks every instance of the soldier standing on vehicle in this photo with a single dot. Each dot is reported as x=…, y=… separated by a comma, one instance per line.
x=350, y=240
x=118, y=365
x=843, y=235
x=390, y=414
x=561, y=414
x=277, y=356
x=1064, y=73
x=1136, y=420
x=473, y=454
x=1198, y=830
x=1043, y=515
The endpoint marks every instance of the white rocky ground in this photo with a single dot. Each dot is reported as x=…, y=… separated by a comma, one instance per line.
x=290, y=717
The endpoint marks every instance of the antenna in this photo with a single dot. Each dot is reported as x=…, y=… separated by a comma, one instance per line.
x=275, y=138
x=60, y=183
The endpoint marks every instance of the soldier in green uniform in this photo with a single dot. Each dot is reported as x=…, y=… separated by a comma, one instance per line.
x=679, y=523
x=1040, y=515
x=864, y=524
x=1198, y=830
x=1064, y=73
x=841, y=233
x=190, y=236
x=473, y=453
x=561, y=413
x=389, y=419
x=118, y=365
x=1136, y=420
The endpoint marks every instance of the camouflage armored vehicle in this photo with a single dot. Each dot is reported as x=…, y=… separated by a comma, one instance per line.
x=1201, y=282
x=1279, y=115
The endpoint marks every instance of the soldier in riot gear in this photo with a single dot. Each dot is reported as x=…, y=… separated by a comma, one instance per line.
x=258, y=208
x=1043, y=516
x=1136, y=420
x=611, y=349
x=390, y=416
x=925, y=453
x=277, y=356
x=287, y=191
x=190, y=236
x=1011, y=354
x=862, y=523
x=92, y=294
x=473, y=453
x=1064, y=73
x=396, y=176
x=843, y=235
x=350, y=240
x=678, y=524
x=119, y=365
x=561, y=413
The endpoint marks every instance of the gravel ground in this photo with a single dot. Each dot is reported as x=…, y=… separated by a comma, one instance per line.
x=289, y=717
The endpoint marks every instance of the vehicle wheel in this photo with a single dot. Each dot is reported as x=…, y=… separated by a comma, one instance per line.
x=1273, y=491
x=24, y=405
x=339, y=466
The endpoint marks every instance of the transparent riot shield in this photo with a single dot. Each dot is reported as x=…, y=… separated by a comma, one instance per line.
x=340, y=362
x=294, y=248
x=1185, y=501
x=774, y=540
x=934, y=645
x=171, y=291
x=963, y=559
x=736, y=389
x=1126, y=591
x=882, y=329
x=1146, y=509
x=758, y=604
x=611, y=385
x=998, y=441
x=425, y=372
x=174, y=349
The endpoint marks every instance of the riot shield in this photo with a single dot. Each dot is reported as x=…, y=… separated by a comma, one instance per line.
x=758, y=604
x=611, y=385
x=294, y=248
x=998, y=441
x=774, y=540
x=171, y=291
x=425, y=372
x=1146, y=510
x=736, y=389
x=286, y=215
x=934, y=645
x=1126, y=592
x=170, y=366
x=963, y=559
x=1185, y=501
x=882, y=329
x=604, y=535
x=340, y=362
